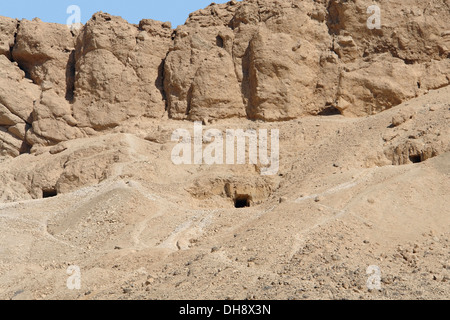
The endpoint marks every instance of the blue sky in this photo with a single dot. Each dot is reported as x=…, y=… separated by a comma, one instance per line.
x=175, y=11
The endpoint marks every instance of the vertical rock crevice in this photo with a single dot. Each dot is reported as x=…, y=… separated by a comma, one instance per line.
x=70, y=77
x=11, y=48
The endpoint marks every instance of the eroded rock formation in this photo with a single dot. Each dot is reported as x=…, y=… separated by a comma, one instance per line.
x=256, y=59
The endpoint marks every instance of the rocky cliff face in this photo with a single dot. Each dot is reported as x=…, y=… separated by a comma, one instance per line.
x=255, y=59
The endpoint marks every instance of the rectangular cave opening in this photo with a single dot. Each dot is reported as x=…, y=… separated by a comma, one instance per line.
x=49, y=193
x=242, y=201
x=415, y=158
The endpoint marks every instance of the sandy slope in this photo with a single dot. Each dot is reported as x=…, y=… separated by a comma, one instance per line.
x=151, y=230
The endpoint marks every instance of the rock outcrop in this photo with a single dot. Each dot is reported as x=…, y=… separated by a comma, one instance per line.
x=45, y=52
x=17, y=100
x=8, y=29
x=119, y=71
x=255, y=59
